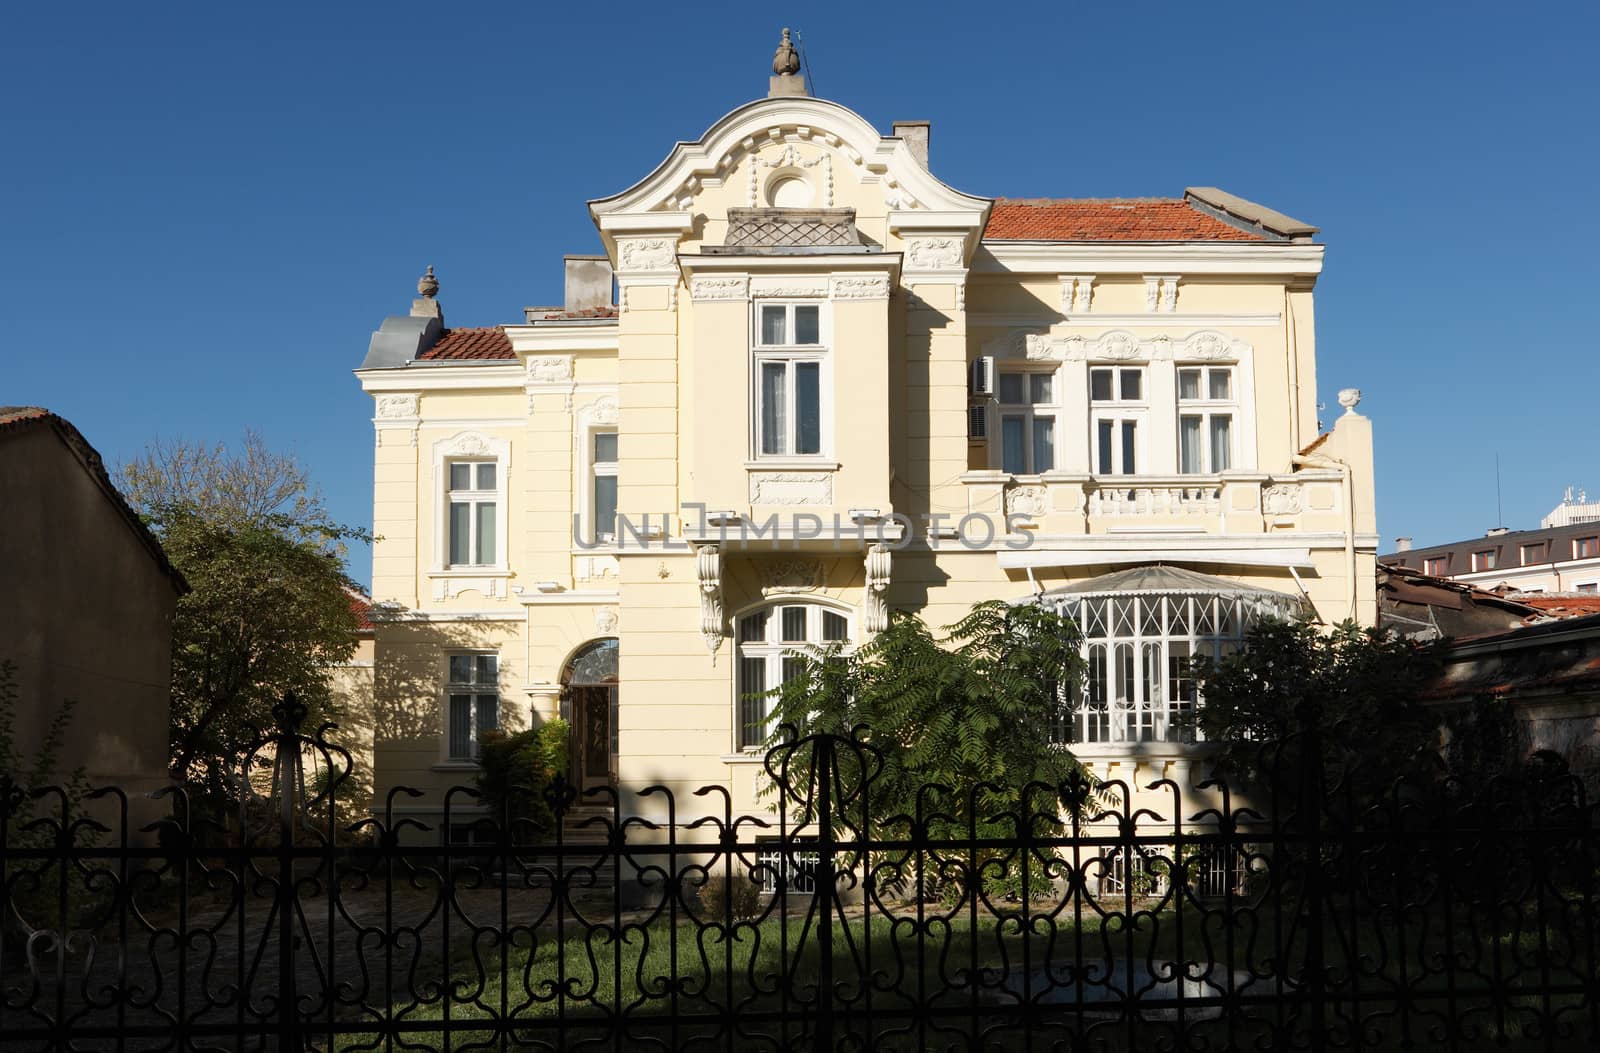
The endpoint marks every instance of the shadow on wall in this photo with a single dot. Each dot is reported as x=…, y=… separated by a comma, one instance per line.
x=407, y=725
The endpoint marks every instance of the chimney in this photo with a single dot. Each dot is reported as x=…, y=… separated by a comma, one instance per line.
x=426, y=305
x=1496, y=531
x=1402, y=544
x=916, y=134
x=588, y=285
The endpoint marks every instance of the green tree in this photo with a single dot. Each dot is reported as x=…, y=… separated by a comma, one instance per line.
x=970, y=711
x=268, y=612
x=1362, y=687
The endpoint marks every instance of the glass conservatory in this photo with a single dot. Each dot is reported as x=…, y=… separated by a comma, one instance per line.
x=1142, y=629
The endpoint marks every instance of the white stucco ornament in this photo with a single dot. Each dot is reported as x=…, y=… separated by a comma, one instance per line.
x=391, y=407
x=644, y=254
x=1349, y=398
x=934, y=254
x=550, y=368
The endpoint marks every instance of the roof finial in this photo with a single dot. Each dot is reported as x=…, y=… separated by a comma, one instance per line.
x=428, y=285
x=786, y=63
x=786, y=79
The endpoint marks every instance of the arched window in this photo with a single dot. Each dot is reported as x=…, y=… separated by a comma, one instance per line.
x=769, y=638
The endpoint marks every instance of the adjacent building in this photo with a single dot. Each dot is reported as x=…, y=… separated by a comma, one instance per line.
x=87, y=617
x=1561, y=557
x=805, y=384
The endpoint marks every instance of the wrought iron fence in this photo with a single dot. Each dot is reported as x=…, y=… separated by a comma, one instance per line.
x=1074, y=917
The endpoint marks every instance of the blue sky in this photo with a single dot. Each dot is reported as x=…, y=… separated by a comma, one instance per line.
x=208, y=208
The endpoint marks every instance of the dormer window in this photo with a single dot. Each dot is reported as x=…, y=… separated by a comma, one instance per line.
x=790, y=372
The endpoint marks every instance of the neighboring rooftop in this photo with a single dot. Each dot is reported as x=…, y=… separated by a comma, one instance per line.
x=15, y=419
x=1561, y=604
x=1504, y=542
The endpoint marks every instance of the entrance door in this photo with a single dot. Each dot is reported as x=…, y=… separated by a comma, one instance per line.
x=594, y=734
x=591, y=686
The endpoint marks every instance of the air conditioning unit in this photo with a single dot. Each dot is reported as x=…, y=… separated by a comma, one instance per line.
x=981, y=379
x=978, y=420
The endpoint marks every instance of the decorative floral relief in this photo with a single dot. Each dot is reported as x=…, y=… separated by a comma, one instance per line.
x=605, y=621
x=1212, y=346
x=720, y=289
x=1027, y=501
x=549, y=369
x=391, y=407
x=876, y=288
x=1282, y=499
x=934, y=254
x=600, y=411
x=1118, y=346
x=645, y=254
x=791, y=575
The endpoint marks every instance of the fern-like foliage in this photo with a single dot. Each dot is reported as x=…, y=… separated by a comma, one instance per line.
x=967, y=712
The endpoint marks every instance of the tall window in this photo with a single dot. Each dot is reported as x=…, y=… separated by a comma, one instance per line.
x=769, y=640
x=1533, y=553
x=472, y=695
x=789, y=359
x=474, y=497
x=1486, y=559
x=1117, y=407
x=1436, y=566
x=1585, y=547
x=1027, y=422
x=1205, y=419
x=603, y=485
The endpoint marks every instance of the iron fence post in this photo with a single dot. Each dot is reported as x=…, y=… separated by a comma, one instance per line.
x=287, y=764
x=823, y=770
x=1309, y=715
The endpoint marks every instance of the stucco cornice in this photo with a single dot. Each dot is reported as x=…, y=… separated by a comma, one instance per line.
x=1144, y=257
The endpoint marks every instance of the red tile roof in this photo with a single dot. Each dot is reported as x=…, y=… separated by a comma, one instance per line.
x=1107, y=219
x=1566, y=605
x=361, y=607
x=490, y=342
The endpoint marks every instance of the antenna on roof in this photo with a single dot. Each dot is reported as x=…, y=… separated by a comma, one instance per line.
x=1499, y=511
x=805, y=63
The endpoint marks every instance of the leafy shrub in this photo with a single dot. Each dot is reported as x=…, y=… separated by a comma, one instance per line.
x=514, y=772
x=740, y=889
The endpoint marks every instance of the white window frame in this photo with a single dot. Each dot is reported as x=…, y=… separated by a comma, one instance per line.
x=1119, y=410
x=473, y=689
x=588, y=470
x=1129, y=705
x=791, y=354
x=1205, y=407
x=470, y=446
x=1028, y=411
x=771, y=649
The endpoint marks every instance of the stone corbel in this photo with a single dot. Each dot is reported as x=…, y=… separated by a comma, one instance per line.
x=880, y=564
x=1077, y=290
x=708, y=571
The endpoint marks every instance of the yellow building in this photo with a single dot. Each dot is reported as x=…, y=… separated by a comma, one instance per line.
x=831, y=386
